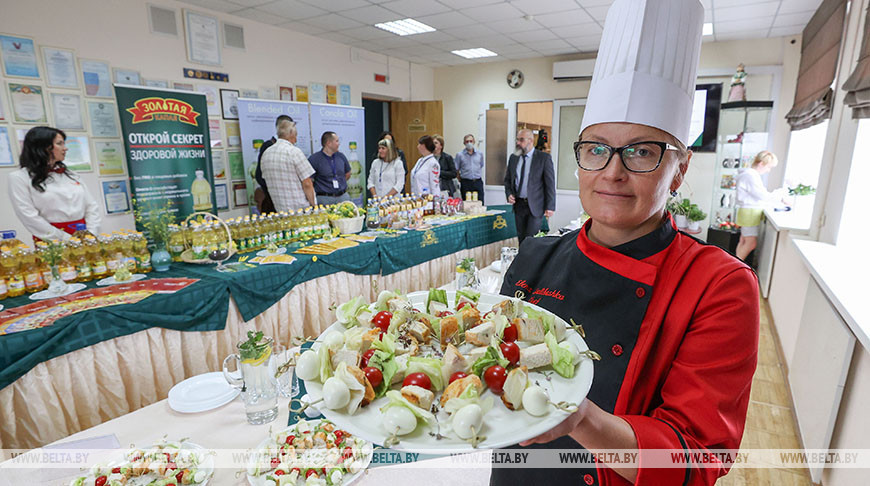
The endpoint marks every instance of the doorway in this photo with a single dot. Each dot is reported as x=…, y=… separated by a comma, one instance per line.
x=410, y=120
x=376, y=122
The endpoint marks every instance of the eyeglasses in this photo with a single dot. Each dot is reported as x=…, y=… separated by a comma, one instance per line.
x=636, y=157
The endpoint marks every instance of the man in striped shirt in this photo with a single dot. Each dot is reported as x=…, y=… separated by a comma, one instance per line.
x=287, y=171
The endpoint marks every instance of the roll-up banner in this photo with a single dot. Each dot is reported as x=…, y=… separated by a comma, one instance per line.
x=257, y=125
x=167, y=144
x=349, y=123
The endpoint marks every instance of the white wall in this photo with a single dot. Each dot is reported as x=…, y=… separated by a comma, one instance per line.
x=464, y=89
x=118, y=32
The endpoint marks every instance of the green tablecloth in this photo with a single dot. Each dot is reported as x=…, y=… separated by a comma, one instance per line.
x=204, y=305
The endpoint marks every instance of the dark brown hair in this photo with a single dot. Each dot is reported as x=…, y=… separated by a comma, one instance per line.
x=427, y=142
x=35, y=157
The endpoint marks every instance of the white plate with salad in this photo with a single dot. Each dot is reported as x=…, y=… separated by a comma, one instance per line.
x=447, y=371
x=165, y=462
x=310, y=453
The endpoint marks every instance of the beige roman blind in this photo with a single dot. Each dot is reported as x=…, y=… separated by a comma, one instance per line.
x=857, y=86
x=820, y=53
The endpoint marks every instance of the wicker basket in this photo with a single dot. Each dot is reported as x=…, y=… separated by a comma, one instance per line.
x=187, y=254
x=347, y=226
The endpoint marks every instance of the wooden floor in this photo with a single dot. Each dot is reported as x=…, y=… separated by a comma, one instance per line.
x=770, y=422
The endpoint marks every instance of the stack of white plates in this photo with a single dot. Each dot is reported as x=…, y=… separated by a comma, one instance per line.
x=202, y=392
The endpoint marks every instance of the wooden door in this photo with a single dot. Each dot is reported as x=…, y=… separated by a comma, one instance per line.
x=410, y=120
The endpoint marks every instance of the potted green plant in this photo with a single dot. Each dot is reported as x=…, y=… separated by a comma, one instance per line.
x=695, y=216
x=680, y=210
x=156, y=221
x=802, y=195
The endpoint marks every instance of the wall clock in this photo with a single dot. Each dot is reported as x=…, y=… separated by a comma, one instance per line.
x=515, y=78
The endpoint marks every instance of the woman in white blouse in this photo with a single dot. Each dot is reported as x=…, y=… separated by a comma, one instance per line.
x=387, y=173
x=752, y=198
x=50, y=200
x=426, y=174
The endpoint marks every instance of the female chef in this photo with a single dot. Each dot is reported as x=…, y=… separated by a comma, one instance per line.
x=50, y=201
x=674, y=320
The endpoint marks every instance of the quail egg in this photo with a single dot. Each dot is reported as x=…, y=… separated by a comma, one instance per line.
x=399, y=420
x=308, y=366
x=467, y=418
x=536, y=401
x=336, y=394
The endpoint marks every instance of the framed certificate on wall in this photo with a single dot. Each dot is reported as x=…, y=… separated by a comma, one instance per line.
x=202, y=34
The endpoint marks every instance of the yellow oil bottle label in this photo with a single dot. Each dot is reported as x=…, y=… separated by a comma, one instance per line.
x=100, y=268
x=33, y=280
x=3, y=288
x=15, y=284
x=68, y=274
x=46, y=276
x=112, y=265
x=84, y=271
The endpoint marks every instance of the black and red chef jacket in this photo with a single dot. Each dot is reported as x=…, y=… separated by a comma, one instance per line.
x=676, y=324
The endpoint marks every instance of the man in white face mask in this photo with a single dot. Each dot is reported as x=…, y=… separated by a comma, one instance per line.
x=530, y=185
x=469, y=165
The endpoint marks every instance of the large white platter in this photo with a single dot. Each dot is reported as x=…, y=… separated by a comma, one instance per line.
x=202, y=392
x=502, y=427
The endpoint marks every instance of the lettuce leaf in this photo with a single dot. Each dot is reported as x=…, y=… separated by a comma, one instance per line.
x=353, y=338
x=436, y=295
x=492, y=357
x=431, y=367
x=400, y=317
x=397, y=400
x=325, y=363
x=468, y=396
x=501, y=323
x=468, y=293
x=388, y=366
x=383, y=298
x=563, y=359
x=384, y=358
x=545, y=317
x=346, y=313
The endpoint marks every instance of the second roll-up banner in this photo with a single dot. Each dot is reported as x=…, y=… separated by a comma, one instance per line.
x=349, y=123
x=257, y=125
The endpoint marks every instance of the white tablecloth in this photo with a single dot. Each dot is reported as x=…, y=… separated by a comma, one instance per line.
x=87, y=387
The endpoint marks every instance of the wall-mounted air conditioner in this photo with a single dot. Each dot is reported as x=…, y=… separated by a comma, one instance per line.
x=573, y=70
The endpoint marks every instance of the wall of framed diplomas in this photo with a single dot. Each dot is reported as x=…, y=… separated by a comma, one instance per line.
x=59, y=70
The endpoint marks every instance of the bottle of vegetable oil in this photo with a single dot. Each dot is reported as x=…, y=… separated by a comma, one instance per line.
x=199, y=244
x=95, y=257
x=33, y=281
x=12, y=273
x=176, y=242
x=141, y=253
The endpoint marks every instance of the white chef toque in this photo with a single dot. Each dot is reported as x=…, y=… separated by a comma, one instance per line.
x=646, y=65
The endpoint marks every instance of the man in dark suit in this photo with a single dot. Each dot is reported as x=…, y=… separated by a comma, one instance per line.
x=530, y=185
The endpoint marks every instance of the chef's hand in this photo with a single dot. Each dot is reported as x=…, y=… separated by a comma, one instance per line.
x=566, y=427
x=511, y=199
x=549, y=213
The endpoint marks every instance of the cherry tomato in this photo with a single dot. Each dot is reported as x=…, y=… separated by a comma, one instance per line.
x=311, y=472
x=460, y=306
x=278, y=473
x=457, y=376
x=510, y=333
x=179, y=476
x=100, y=481
x=298, y=471
x=366, y=357
x=374, y=375
x=382, y=320
x=419, y=379
x=117, y=470
x=495, y=377
x=274, y=462
x=347, y=454
x=172, y=465
x=444, y=314
x=510, y=351
x=168, y=457
x=338, y=435
x=290, y=439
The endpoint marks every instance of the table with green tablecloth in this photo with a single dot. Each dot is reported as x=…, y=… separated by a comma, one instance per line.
x=94, y=365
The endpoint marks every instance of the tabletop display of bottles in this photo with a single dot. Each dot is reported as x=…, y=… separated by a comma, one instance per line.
x=85, y=257
x=400, y=211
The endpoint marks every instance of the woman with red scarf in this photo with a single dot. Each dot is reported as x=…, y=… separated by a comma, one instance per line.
x=51, y=201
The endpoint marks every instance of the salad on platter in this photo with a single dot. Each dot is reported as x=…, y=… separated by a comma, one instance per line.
x=310, y=453
x=429, y=369
x=166, y=463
